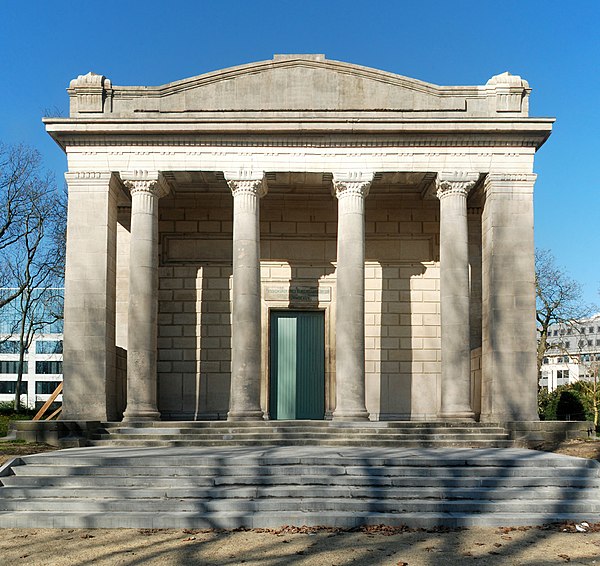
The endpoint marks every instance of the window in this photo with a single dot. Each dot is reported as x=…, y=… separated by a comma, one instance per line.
x=45, y=387
x=11, y=366
x=9, y=347
x=582, y=330
x=49, y=347
x=569, y=331
x=597, y=342
x=48, y=367
x=567, y=344
x=591, y=329
x=562, y=375
x=555, y=333
x=590, y=342
x=8, y=387
x=545, y=360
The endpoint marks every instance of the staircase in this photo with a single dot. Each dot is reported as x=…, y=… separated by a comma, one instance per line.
x=303, y=433
x=230, y=487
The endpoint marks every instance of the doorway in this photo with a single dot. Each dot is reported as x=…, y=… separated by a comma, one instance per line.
x=297, y=365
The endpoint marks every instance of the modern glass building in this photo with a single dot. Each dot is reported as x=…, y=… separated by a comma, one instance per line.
x=42, y=367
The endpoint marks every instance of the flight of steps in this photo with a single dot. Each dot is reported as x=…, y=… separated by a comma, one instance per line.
x=303, y=433
x=228, y=487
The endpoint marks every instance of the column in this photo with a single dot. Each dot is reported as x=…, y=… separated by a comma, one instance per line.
x=142, y=315
x=247, y=187
x=509, y=369
x=351, y=190
x=89, y=335
x=452, y=190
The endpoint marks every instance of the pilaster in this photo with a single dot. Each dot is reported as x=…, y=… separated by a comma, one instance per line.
x=89, y=334
x=509, y=371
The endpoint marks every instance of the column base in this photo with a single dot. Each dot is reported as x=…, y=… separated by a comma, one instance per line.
x=458, y=416
x=350, y=416
x=136, y=414
x=245, y=416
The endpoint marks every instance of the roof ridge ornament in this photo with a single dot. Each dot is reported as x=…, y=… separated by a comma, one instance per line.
x=90, y=93
x=510, y=91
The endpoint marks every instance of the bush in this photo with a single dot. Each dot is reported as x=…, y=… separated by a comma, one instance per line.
x=7, y=408
x=571, y=402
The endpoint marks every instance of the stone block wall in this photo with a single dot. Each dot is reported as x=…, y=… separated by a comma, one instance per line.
x=298, y=251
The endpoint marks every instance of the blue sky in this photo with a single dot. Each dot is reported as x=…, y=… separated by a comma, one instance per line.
x=554, y=45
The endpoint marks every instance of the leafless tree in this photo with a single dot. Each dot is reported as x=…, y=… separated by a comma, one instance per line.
x=28, y=207
x=559, y=299
x=32, y=239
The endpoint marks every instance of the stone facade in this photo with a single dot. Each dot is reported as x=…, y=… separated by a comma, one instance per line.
x=400, y=210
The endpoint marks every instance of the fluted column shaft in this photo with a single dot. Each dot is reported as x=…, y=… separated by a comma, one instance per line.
x=452, y=190
x=244, y=402
x=351, y=191
x=143, y=301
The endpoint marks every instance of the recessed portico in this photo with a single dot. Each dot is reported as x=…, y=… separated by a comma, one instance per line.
x=314, y=203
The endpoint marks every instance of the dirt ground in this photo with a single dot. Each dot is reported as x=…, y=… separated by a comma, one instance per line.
x=290, y=546
x=301, y=547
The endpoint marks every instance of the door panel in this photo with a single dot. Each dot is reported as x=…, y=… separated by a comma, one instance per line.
x=297, y=362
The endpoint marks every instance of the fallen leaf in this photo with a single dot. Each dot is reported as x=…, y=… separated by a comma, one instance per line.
x=565, y=557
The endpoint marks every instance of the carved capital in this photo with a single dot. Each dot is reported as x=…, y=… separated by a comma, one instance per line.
x=354, y=183
x=509, y=183
x=246, y=182
x=145, y=182
x=457, y=183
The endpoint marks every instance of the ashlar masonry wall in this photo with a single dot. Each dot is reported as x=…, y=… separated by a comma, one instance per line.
x=298, y=252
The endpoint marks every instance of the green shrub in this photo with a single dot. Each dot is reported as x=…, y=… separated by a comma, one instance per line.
x=572, y=402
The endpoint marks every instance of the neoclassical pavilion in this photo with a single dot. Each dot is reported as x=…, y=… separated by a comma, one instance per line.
x=300, y=238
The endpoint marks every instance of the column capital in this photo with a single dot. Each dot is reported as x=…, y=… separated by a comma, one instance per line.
x=505, y=182
x=455, y=183
x=355, y=183
x=246, y=181
x=150, y=182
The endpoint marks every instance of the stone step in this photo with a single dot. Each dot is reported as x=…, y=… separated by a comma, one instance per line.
x=304, y=430
x=295, y=470
x=376, y=442
x=233, y=520
x=300, y=504
x=140, y=482
x=265, y=425
x=389, y=493
x=156, y=434
x=269, y=487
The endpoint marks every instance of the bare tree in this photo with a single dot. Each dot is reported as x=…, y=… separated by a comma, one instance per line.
x=32, y=239
x=559, y=299
x=24, y=193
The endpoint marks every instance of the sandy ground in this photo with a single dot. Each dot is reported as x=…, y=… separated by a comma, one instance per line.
x=479, y=546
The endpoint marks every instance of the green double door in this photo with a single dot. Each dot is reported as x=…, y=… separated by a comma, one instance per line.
x=297, y=364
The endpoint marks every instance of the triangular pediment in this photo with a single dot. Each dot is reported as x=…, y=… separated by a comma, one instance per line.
x=301, y=83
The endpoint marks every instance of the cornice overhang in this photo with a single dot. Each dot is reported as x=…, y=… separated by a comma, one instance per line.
x=347, y=129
